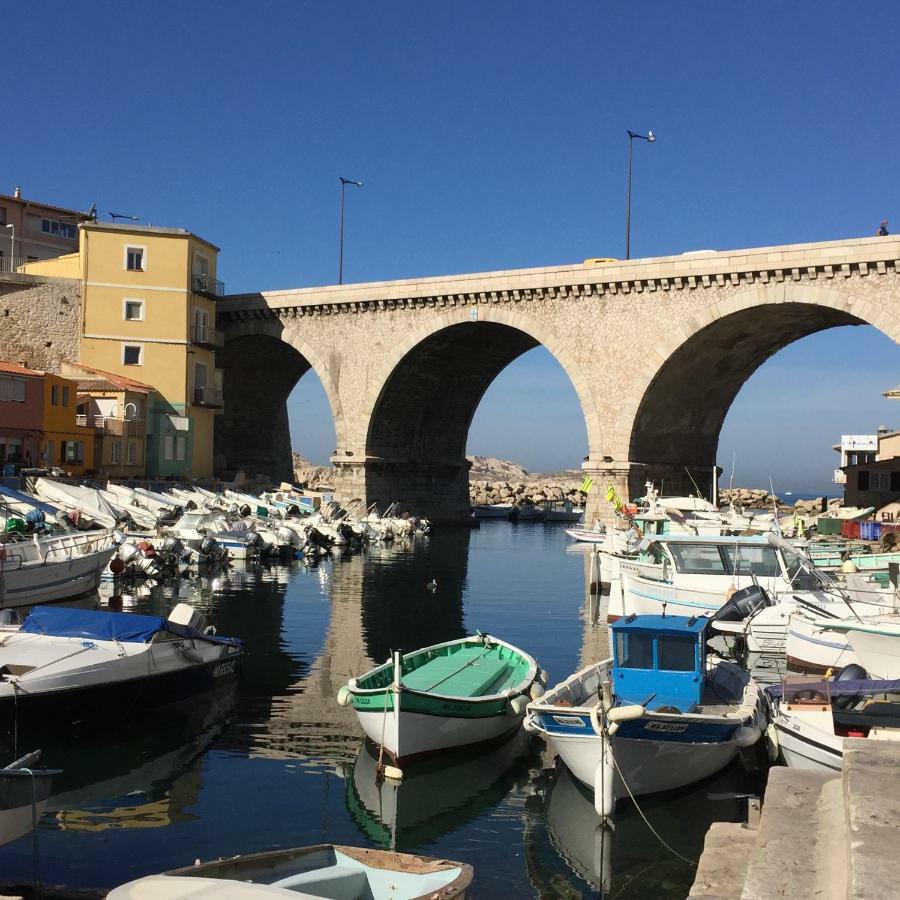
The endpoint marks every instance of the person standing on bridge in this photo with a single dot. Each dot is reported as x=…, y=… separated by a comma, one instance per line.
x=882, y=229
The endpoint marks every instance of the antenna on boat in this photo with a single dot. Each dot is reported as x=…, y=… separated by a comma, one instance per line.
x=694, y=483
x=776, y=523
x=733, y=463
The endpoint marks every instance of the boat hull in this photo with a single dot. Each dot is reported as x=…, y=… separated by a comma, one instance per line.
x=410, y=735
x=15, y=802
x=46, y=582
x=672, y=761
x=805, y=748
x=111, y=704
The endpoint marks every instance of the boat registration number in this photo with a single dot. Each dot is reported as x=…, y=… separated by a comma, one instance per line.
x=224, y=668
x=667, y=727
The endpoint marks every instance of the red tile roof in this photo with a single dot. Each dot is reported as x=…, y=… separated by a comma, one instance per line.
x=104, y=381
x=11, y=368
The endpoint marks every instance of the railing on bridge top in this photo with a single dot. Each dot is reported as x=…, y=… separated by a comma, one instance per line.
x=208, y=286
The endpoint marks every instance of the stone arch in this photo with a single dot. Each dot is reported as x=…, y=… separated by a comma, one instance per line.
x=675, y=409
x=424, y=394
x=263, y=361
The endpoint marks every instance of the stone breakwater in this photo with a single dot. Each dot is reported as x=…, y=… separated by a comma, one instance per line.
x=521, y=492
x=759, y=498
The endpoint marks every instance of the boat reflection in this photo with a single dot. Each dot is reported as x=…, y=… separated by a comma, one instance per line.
x=138, y=781
x=628, y=861
x=436, y=796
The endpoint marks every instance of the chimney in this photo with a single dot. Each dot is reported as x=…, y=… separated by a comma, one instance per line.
x=17, y=193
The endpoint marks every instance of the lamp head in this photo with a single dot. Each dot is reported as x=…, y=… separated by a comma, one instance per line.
x=651, y=137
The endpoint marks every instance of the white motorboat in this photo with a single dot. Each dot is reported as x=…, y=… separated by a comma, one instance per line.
x=528, y=512
x=875, y=641
x=67, y=665
x=452, y=695
x=562, y=511
x=658, y=715
x=325, y=871
x=812, y=716
x=45, y=569
x=24, y=791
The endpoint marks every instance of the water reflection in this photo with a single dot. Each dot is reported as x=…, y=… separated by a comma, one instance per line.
x=434, y=797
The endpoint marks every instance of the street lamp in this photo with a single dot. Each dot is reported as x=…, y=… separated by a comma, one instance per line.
x=344, y=183
x=649, y=137
x=12, y=246
x=125, y=421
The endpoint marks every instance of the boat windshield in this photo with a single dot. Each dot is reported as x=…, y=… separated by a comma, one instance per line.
x=725, y=559
x=797, y=571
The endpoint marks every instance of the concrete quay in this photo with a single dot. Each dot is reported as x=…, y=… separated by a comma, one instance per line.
x=826, y=835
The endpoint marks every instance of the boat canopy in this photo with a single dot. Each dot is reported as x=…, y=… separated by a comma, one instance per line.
x=129, y=628
x=660, y=659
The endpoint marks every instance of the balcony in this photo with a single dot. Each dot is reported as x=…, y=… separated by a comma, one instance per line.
x=206, y=336
x=208, y=286
x=112, y=426
x=211, y=398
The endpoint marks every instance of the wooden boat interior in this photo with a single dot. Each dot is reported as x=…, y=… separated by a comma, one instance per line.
x=465, y=669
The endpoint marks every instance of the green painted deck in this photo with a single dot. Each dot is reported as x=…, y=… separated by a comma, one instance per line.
x=469, y=671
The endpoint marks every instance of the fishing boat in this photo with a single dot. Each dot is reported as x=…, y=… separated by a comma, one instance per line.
x=492, y=511
x=68, y=665
x=58, y=567
x=812, y=716
x=660, y=714
x=326, y=870
x=875, y=639
x=562, y=511
x=457, y=694
x=24, y=791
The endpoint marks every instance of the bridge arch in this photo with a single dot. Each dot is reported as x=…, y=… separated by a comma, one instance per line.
x=263, y=361
x=424, y=394
x=673, y=413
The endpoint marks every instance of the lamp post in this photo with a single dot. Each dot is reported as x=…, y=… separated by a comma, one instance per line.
x=344, y=183
x=12, y=245
x=125, y=421
x=649, y=137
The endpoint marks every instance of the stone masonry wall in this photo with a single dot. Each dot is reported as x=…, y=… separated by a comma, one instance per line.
x=40, y=320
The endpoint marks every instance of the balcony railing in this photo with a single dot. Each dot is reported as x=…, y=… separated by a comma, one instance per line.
x=207, y=396
x=206, y=336
x=111, y=425
x=208, y=286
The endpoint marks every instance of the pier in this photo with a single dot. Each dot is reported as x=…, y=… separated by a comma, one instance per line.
x=821, y=834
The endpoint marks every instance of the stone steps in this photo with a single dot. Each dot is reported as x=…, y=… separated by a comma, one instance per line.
x=826, y=835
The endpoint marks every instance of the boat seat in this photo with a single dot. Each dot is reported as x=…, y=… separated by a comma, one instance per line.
x=335, y=882
x=474, y=680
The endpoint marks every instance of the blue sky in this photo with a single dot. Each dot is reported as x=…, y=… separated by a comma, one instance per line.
x=488, y=136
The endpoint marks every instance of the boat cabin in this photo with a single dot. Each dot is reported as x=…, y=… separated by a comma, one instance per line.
x=659, y=661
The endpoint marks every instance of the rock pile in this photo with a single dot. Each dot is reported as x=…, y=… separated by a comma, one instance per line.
x=816, y=506
x=316, y=478
x=748, y=498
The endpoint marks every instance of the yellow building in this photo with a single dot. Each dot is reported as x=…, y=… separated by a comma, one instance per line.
x=65, y=443
x=148, y=313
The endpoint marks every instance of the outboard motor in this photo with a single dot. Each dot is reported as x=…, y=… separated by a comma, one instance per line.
x=244, y=510
x=850, y=672
x=128, y=552
x=743, y=604
x=211, y=549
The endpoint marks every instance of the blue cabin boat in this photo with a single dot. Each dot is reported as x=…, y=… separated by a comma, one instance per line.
x=661, y=713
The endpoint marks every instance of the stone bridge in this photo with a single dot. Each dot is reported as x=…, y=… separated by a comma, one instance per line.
x=656, y=350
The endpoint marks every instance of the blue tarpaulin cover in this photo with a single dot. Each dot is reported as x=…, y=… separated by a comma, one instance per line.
x=13, y=494
x=58, y=621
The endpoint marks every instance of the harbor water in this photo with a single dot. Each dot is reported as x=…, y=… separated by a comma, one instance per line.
x=278, y=763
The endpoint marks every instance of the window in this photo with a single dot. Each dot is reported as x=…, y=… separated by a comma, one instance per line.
x=2, y=215
x=634, y=650
x=65, y=396
x=175, y=447
x=862, y=480
x=132, y=453
x=134, y=259
x=676, y=652
x=48, y=453
x=116, y=454
x=759, y=561
x=134, y=310
x=17, y=390
x=132, y=354
x=54, y=395
x=72, y=452
x=697, y=559
x=52, y=226
x=895, y=482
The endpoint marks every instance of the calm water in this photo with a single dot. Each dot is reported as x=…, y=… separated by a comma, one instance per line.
x=279, y=764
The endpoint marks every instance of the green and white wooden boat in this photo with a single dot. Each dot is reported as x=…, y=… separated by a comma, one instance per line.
x=464, y=692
